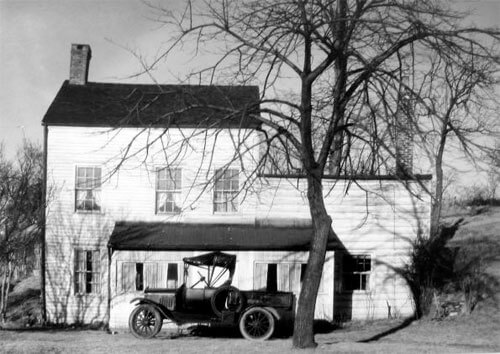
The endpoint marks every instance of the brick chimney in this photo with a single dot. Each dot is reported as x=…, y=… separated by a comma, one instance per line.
x=404, y=133
x=79, y=66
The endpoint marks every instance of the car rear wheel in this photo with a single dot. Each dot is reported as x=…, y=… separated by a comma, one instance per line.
x=145, y=321
x=257, y=324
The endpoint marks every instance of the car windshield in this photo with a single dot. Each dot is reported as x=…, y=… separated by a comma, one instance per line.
x=209, y=269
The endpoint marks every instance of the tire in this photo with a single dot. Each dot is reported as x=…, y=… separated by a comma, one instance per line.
x=145, y=321
x=227, y=298
x=257, y=324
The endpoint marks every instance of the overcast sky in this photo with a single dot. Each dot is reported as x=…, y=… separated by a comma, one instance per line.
x=35, y=41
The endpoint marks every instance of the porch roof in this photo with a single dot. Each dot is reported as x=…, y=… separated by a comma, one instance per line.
x=154, y=236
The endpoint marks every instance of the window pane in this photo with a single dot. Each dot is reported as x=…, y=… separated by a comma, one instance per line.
x=87, y=194
x=364, y=281
x=226, y=191
x=86, y=271
x=168, y=180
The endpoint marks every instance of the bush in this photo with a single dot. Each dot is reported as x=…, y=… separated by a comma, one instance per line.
x=435, y=269
x=428, y=272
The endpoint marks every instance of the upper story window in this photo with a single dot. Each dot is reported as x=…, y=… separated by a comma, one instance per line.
x=226, y=190
x=88, y=189
x=168, y=190
x=356, y=271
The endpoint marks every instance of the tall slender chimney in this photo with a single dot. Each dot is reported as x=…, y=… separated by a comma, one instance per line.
x=404, y=133
x=79, y=66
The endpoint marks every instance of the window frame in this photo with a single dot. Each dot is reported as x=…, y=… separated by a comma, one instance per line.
x=95, y=190
x=357, y=273
x=176, y=191
x=81, y=280
x=233, y=202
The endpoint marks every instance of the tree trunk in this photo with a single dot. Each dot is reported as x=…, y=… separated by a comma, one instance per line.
x=5, y=291
x=437, y=201
x=303, y=334
x=2, y=297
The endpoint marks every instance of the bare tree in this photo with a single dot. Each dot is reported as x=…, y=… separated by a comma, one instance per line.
x=493, y=171
x=333, y=77
x=21, y=211
x=454, y=107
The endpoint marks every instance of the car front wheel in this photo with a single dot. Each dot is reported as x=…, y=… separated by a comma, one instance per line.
x=145, y=321
x=257, y=324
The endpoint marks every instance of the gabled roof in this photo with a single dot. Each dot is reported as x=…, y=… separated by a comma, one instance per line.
x=156, y=236
x=139, y=105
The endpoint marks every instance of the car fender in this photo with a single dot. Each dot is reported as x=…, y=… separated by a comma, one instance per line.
x=164, y=312
x=272, y=310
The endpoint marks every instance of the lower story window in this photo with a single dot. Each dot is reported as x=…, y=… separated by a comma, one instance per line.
x=280, y=277
x=87, y=271
x=356, y=271
x=137, y=276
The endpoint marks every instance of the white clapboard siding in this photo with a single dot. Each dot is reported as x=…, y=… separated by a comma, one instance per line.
x=379, y=218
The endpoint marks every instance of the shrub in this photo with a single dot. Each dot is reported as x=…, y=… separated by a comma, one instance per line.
x=429, y=269
x=434, y=269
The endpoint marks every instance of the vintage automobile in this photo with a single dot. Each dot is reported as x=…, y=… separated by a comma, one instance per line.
x=257, y=313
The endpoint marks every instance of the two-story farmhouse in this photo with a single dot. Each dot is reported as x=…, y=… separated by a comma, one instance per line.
x=135, y=182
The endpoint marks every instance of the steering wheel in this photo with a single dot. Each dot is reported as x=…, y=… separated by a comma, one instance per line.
x=202, y=279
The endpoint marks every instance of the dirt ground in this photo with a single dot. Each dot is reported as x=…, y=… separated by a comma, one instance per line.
x=480, y=333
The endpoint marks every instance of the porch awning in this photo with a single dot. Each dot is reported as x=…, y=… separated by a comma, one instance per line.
x=142, y=236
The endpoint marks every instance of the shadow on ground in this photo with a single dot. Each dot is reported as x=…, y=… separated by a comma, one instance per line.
x=389, y=331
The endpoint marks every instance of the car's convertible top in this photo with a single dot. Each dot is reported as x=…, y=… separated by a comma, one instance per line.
x=214, y=259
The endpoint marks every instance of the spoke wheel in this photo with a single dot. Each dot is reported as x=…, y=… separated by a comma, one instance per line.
x=257, y=324
x=145, y=321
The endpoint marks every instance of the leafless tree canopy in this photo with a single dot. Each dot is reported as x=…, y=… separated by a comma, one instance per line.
x=21, y=212
x=338, y=79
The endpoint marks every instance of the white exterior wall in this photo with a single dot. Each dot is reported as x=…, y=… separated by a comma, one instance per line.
x=377, y=218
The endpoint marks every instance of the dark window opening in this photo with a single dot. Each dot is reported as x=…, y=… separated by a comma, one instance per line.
x=356, y=272
x=272, y=277
x=303, y=267
x=172, y=275
x=139, y=276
